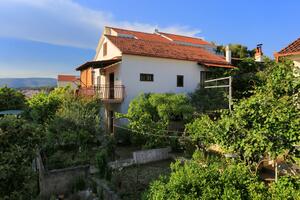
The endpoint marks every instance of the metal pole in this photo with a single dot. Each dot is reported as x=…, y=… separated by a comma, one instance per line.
x=230, y=93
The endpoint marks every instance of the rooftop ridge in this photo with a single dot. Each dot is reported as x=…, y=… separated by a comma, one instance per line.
x=282, y=51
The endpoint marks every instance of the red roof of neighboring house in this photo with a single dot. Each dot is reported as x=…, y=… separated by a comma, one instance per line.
x=67, y=78
x=186, y=39
x=167, y=50
x=142, y=35
x=294, y=47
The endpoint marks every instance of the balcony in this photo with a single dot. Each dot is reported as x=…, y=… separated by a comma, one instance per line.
x=108, y=94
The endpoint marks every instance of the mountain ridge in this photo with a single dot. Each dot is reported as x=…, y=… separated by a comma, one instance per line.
x=28, y=82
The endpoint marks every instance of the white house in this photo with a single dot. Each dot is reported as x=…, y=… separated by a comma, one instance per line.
x=128, y=63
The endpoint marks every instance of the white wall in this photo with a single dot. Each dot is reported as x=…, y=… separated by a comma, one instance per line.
x=112, y=51
x=165, y=73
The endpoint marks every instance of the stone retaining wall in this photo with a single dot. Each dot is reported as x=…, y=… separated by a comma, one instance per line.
x=59, y=181
x=151, y=155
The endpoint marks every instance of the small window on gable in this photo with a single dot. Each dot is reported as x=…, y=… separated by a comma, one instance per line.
x=105, y=49
x=146, y=77
x=180, y=80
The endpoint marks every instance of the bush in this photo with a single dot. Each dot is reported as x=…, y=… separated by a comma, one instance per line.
x=76, y=124
x=43, y=106
x=11, y=99
x=193, y=180
x=149, y=117
x=19, y=141
x=101, y=163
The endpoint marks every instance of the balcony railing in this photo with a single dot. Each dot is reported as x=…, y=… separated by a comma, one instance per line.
x=113, y=94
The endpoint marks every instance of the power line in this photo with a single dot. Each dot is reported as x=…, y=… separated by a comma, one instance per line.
x=150, y=134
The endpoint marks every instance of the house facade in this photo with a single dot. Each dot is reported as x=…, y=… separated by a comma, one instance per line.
x=128, y=63
x=292, y=52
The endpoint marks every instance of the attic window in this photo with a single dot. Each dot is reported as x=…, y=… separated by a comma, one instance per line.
x=105, y=49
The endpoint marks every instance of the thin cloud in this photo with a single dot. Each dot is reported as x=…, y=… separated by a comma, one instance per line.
x=65, y=22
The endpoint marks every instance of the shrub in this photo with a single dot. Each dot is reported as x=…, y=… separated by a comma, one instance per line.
x=101, y=163
x=11, y=99
x=149, y=116
x=19, y=142
x=193, y=180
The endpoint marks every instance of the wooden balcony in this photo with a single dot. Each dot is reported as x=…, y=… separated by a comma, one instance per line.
x=108, y=94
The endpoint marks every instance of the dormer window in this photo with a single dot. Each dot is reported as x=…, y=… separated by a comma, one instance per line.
x=105, y=49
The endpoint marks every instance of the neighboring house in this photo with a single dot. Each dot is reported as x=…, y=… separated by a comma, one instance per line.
x=68, y=80
x=292, y=52
x=128, y=63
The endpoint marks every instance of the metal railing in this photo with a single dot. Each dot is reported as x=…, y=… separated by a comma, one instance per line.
x=104, y=92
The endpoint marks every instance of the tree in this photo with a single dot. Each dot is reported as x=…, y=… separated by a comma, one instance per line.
x=237, y=50
x=76, y=123
x=43, y=106
x=150, y=115
x=195, y=180
x=11, y=99
x=19, y=140
x=268, y=122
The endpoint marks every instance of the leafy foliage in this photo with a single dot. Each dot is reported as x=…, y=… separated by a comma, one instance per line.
x=214, y=180
x=19, y=140
x=194, y=180
x=11, y=99
x=237, y=50
x=76, y=123
x=43, y=106
x=151, y=114
x=266, y=122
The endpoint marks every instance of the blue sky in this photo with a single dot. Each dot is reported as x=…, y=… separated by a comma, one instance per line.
x=43, y=38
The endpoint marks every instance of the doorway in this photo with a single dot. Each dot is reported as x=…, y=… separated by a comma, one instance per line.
x=111, y=121
x=111, y=85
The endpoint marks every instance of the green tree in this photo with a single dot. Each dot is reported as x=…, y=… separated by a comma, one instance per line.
x=76, y=123
x=19, y=141
x=237, y=50
x=194, y=180
x=11, y=99
x=43, y=106
x=266, y=122
x=150, y=115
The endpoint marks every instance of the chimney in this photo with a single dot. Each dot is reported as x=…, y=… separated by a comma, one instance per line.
x=258, y=53
x=228, y=54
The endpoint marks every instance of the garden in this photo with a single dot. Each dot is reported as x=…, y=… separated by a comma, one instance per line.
x=227, y=154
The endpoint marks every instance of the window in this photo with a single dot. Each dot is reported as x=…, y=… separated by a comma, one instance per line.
x=146, y=77
x=105, y=49
x=179, y=80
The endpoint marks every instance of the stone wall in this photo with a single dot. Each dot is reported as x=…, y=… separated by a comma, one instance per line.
x=151, y=155
x=59, y=181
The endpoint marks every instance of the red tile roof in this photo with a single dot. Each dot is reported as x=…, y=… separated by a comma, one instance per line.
x=167, y=50
x=142, y=35
x=291, y=48
x=186, y=39
x=67, y=78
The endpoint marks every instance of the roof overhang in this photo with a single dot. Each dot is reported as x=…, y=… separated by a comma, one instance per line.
x=220, y=65
x=98, y=64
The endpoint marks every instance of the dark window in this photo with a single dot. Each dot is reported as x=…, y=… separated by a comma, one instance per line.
x=146, y=77
x=179, y=80
x=205, y=75
x=105, y=49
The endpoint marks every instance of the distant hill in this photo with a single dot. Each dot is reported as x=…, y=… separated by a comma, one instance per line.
x=28, y=82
